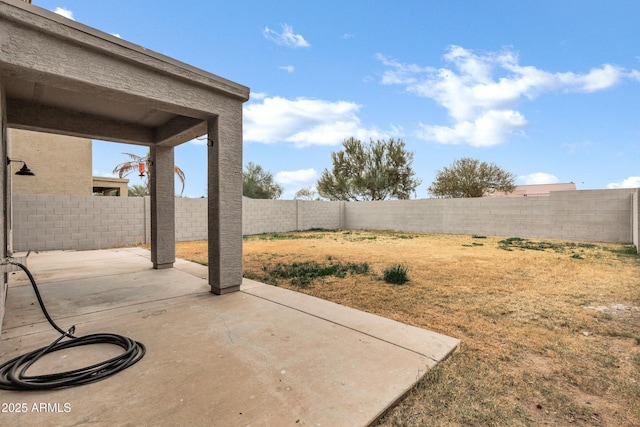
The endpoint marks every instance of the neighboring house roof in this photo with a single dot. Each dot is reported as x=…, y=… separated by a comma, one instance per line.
x=536, y=190
x=109, y=186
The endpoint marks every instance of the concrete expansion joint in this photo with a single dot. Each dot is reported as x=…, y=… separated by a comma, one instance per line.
x=433, y=358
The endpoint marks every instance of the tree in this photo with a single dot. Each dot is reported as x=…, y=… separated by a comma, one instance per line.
x=468, y=177
x=376, y=171
x=306, y=193
x=138, y=191
x=125, y=168
x=257, y=183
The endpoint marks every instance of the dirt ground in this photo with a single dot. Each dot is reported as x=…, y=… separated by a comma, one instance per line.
x=550, y=330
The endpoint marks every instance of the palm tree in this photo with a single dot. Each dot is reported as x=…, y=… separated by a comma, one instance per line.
x=138, y=191
x=125, y=168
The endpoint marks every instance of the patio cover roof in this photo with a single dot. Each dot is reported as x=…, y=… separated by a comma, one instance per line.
x=60, y=76
x=64, y=77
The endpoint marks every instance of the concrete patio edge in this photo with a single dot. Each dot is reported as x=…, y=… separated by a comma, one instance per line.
x=436, y=347
x=262, y=356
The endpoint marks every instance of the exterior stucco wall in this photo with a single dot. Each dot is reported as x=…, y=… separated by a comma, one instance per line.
x=62, y=164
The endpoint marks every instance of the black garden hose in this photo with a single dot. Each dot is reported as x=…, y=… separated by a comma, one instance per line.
x=13, y=373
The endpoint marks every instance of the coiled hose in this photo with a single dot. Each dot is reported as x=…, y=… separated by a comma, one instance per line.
x=13, y=374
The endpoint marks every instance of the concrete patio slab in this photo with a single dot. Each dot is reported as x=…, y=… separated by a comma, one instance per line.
x=264, y=356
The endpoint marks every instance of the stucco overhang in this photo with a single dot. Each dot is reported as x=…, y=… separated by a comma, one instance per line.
x=61, y=76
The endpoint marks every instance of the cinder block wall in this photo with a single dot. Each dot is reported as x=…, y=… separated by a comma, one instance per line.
x=591, y=215
x=191, y=219
x=328, y=215
x=635, y=208
x=268, y=216
x=45, y=222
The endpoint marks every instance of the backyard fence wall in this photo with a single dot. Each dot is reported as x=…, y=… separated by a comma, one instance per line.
x=45, y=222
x=48, y=222
x=635, y=211
x=270, y=216
x=590, y=215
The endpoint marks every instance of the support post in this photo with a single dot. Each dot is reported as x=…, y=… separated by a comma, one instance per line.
x=4, y=198
x=163, y=223
x=224, y=149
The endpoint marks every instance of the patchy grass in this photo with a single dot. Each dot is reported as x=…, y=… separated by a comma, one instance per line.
x=302, y=274
x=547, y=337
x=285, y=236
x=575, y=250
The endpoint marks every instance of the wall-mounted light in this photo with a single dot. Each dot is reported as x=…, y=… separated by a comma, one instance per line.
x=141, y=169
x=24, y=170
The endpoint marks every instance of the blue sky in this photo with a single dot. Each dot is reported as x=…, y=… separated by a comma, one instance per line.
x=547, y=89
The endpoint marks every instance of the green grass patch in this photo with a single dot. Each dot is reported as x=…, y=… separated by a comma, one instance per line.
x=286, y=236
x=560, y=247
x=625, y=251
x=301, y=274
x=361, y=238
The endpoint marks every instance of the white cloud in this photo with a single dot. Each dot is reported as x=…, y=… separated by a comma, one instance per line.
x=491, y=128
x=480, y=91
x=286, y=38
x=304, y=122
x=288, y=68
x=598, y=78
x=117, y=35
x=631, y=182
x=258, y=96
x=64, y=12
x=539, y=178
x=401, y=73
x=298, y=177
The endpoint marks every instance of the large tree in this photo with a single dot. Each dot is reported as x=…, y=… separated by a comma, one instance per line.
x=467, y=177
x=258, y=183
x=125, y=168
x=375, y=171
x=306, y=193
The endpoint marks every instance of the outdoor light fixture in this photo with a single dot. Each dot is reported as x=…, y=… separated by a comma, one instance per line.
x=141, y=169
x=24, y=170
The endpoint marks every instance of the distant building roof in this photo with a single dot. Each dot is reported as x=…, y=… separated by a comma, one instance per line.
x=536, y=190
x=110, y=186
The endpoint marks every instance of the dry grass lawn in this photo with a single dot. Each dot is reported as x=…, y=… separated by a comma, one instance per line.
x=550, y=330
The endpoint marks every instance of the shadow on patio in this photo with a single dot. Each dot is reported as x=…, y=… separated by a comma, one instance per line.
x=261, y=356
